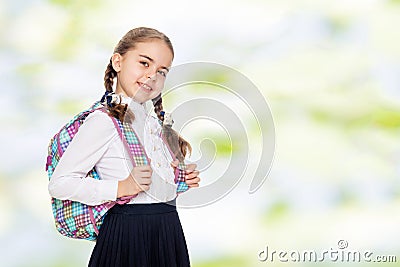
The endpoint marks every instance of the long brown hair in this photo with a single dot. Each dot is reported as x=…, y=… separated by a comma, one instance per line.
x=128, y=42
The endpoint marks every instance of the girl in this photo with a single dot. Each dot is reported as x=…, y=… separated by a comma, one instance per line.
x=146, y=231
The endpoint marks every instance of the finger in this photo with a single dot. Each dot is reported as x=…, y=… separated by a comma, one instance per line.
x=193, y=181
x=144, y=168
x=145, y=187
x=190, y=167
x=143, y=181
x=192, y=175
x=146, y=181
x=193, y=185
x=145, y=174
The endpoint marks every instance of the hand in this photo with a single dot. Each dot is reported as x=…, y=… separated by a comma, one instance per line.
x=192, y=175
x=138, y=180
x=192, y=179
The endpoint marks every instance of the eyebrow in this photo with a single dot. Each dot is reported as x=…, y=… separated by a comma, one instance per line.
x=152, y=60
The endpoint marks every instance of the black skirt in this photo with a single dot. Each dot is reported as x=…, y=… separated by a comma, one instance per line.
x=148, y=235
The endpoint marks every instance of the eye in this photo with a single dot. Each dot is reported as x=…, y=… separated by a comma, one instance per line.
x=162, y=73
x=144, y=63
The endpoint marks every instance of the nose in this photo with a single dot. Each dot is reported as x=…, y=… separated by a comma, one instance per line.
x=151, y=75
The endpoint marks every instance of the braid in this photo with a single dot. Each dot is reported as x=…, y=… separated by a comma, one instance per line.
x=183, y=144
x=128, y=42
x=118, y=110
x=158, y=108
x=109, y=76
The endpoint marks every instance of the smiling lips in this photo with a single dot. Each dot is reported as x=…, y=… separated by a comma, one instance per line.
x=145, y=86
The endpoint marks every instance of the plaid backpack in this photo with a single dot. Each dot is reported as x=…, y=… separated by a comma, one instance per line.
x=77, y=220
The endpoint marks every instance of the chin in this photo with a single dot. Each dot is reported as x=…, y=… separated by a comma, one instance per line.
x=142, y=98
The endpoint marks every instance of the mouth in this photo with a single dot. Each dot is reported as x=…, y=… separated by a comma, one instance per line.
x=145, y=87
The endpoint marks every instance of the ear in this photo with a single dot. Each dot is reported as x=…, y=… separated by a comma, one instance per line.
x=116, y=61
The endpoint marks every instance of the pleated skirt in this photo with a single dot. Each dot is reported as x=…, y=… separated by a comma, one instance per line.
x=148, y=235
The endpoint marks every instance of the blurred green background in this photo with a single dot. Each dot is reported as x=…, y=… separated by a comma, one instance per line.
x=330, y=71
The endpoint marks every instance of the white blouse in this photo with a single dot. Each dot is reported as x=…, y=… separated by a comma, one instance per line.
x=98, y=144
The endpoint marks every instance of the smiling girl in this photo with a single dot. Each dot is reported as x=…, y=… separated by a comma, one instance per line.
x=146, y=231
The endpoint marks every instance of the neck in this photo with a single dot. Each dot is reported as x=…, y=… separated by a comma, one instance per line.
x=120, y=91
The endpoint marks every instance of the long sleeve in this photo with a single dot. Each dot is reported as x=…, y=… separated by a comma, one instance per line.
x=86, y=150
x=97, y=144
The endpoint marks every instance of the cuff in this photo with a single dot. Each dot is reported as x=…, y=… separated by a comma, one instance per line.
x=108, y=190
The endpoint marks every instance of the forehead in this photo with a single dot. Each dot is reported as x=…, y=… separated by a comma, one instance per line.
x=155, y=49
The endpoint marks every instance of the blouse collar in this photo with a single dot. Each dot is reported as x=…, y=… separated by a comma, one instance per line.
x=142, y=113
x=133, y=105
x=141, y=110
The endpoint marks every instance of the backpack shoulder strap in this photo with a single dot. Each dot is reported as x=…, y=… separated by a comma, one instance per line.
x=180, y=170
x=60, y=141
x=129, y=138
x=138, y=154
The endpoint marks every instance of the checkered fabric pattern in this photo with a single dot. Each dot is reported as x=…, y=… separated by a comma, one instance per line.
x=180, y=176
x=180, y=179
x=73, y=219
x=141, y=158
x=77, y=220
x=135, y=147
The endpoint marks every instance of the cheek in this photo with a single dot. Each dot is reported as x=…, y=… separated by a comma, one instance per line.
x=127, y=76
x=160, y=84
x=136, y=74
x=133, y=72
